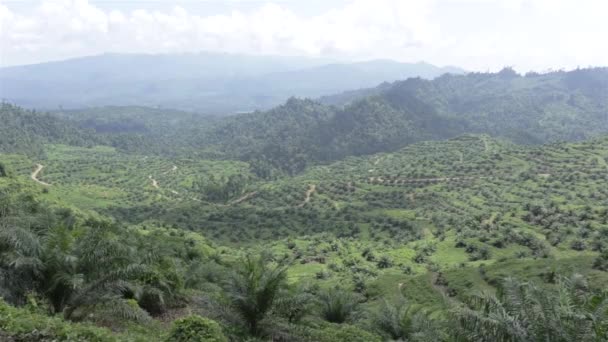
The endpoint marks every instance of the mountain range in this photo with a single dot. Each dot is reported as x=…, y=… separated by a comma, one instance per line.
x=209, y=83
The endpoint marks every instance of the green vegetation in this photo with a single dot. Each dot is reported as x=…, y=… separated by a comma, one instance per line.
x=525, y=109
x=27, y=324
x=472, y=238
x=196, y=329
x=25, y=132
x=525, y=312
x=254, y=289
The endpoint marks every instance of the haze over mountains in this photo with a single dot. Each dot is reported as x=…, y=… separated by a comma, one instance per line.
x=530, y=109
x=211, y=83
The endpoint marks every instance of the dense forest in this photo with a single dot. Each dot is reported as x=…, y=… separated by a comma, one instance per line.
x=466, y=208
x=526, y=109
x=27, y=131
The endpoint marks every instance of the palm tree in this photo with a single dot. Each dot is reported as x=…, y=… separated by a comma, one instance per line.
x=527, y=312
x=253, y=289
x=293, y=304
x=337, y=305
x=74, y=270
x=20, y=264
x=403, y=321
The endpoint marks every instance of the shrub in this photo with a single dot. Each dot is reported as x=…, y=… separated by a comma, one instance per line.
x=601, y=262
x=345, y=333
x=23, y=325
x=196, y=329
x=578, y=245
x=5, y=171
x=385, y=262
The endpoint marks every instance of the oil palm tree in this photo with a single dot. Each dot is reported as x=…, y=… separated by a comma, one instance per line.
x=254, y=288
x=338, y=305
x=527, y=312
x=403, y=321
x=74, y=269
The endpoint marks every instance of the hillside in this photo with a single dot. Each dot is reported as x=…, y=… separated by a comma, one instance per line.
x=26, y=132
x=530, y=109
x=431, y=220
x=527, y=109
x=205, y=82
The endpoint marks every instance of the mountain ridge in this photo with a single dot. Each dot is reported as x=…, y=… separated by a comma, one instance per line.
x=207, y=82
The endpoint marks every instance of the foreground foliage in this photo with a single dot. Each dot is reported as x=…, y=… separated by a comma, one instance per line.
x=196, y=329
x=528, y=312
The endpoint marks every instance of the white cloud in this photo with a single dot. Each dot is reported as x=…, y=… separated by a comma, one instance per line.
x=477, y=34
x=78, y=27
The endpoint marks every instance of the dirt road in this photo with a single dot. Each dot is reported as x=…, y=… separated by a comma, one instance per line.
x=34, y=175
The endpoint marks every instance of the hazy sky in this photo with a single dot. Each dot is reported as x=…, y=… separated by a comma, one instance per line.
x=474, y=34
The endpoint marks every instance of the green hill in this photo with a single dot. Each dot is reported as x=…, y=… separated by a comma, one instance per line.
x=524, y=109
x=433, y=220
x=26, y=132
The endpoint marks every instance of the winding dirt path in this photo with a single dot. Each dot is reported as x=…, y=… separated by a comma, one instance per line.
x=486, y=147
x=154, y=182
x=311, y=189
x=157, y=186
x=243, y=198
x=34, y=175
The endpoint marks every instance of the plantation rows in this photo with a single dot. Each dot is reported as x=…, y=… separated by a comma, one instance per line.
x=486, y=200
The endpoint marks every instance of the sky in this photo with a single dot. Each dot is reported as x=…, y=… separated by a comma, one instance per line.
x=479, y=35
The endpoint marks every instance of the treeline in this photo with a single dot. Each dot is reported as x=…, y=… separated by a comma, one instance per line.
x=25, y=132
x=129, y=129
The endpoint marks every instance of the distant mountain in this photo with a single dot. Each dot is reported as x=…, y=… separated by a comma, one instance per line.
x=206, y=82
x=524, y=109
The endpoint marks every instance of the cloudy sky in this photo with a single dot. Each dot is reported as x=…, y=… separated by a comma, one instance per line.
x=474, y=34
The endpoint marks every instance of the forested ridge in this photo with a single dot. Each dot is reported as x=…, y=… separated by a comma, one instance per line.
x=535, y=108
x=26, y=132
x=529, y=109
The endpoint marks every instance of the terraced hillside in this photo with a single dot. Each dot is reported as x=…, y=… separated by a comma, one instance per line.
x=431, y=221
x=467, y=200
